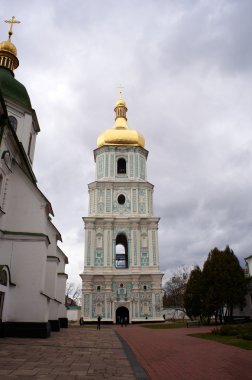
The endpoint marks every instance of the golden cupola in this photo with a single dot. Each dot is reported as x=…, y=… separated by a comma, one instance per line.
x=8, y=51
x=121, y=134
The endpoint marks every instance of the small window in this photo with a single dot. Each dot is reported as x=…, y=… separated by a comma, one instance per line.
x=98, y=288
x=30, y=145
x=13, y=122
x=145, y=287
x=121, y=166
x=1, y=183
x=121, y=199
x=3, y=278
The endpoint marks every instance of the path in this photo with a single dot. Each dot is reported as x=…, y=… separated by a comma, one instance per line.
x=173, y=355
x=71, y=354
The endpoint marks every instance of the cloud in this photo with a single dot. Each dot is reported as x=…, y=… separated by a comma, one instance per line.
x=186, y=69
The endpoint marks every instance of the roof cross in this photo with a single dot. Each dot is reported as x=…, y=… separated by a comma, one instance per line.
x=12, y=21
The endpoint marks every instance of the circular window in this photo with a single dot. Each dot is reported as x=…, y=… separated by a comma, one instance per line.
x=121, y=199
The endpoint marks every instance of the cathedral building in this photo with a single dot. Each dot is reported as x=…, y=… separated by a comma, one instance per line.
x=121, y=276
x=32, y=266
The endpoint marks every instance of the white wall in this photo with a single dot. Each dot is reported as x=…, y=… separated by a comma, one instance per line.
x=25, y=209
x=73, y=314
x=26, y=260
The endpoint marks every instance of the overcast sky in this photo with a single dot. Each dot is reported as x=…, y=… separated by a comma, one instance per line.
x=186, y=68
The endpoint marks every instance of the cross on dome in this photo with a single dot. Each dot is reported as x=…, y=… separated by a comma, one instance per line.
x=8, y=51
x=12, y=22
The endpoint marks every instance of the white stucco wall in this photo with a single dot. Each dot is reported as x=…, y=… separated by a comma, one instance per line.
x=25, y=126
x=26, y=260
x=73, y=314
x=51, y=276
x=249, y=263
x=25, y=206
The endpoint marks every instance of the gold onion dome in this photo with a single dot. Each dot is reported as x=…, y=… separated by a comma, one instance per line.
x=8, y=47
x=8, y=51
x=121, y=134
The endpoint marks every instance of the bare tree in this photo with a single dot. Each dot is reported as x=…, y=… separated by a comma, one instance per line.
x=175, y=287
x=72, y=294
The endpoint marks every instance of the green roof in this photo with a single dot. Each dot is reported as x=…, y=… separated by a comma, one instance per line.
x=13, y=89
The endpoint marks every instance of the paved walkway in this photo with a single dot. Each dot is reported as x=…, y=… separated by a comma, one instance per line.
x=85, y=353
x=73, y=353
x=172, y=355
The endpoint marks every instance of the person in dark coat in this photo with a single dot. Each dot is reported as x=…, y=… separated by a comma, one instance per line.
x=81, y=321
x=99, y=322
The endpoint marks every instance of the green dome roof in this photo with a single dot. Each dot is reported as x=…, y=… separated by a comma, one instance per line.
x=13, y=89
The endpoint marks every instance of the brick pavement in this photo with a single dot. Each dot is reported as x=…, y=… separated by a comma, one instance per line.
x=84, y=353
x=74, y=353
x=172, y=355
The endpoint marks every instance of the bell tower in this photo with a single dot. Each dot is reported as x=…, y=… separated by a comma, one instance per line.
x=121, y=274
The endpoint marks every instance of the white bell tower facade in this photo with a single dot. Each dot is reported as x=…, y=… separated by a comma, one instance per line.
x=121, y=275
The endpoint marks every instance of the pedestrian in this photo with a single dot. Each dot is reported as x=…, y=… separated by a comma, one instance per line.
x=122, y=321
x=99, y=322
x=125, y=321
x=81, y=321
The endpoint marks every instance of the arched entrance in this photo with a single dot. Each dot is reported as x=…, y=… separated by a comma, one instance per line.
x=122, y=312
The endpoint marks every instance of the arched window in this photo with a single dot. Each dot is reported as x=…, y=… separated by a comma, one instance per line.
x=1, y=189
x=13, y=122
x=1, y=184
x=3, y=278
x=121, y=252
x=30, y=145
x=121, y=199
x=121, y=166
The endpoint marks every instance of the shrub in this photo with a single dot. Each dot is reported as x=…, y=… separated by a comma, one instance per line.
x=225, y=331
x=228, y=330
x=246, y=336
x=240, y=331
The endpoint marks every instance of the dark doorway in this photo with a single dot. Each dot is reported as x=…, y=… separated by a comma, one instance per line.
x=121, y=313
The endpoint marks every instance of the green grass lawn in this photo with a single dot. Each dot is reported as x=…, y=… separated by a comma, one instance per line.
x=165, y=326
x=230, y=340
x=232, y=335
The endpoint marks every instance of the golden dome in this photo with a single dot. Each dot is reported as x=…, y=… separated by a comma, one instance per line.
x=8, y=47
x=8, y=51
x=121, y=134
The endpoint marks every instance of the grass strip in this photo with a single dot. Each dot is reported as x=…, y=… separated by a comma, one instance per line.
x=229, y=340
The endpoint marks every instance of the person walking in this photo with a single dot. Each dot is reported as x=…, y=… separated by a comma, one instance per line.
x=122, y=321
x=99, y=322
x=81, y=321
x=125, y=321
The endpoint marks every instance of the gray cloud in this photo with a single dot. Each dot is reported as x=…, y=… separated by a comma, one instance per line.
x=186, y=68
